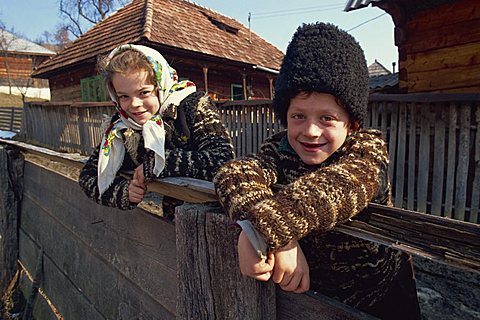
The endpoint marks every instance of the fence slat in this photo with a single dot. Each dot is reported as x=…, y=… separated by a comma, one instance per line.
x=423, y=159
x=438, y=162
x=400, y=160
x=412, y=145
x=452, y=152
x=462, y=166
x=475, y=203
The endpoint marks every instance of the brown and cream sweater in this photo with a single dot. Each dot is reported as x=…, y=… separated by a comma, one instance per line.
x=196, y=145
x=312, y=201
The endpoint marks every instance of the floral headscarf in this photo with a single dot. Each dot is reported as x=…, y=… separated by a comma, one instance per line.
x=170, y=91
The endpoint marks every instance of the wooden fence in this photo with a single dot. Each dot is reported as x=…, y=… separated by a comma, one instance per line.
x=433, y=139
x=94, y=262
x=11, y=118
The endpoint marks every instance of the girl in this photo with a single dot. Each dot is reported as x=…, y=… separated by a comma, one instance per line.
x=162, y=128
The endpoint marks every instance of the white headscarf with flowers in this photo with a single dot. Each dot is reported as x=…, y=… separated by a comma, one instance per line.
x=170, y=91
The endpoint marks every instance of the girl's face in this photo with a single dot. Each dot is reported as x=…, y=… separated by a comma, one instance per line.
x=316, y=126
x=136, y=95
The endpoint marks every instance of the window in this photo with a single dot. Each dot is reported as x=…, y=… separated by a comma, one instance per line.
x=236, y=91
x=93, y=89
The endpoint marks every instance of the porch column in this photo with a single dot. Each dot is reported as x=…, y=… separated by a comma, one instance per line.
x=244, y=78
x=205, y=78
x=270, y=81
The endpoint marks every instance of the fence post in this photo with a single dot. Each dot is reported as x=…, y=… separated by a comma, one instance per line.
x=210, y=285
x=11, y=173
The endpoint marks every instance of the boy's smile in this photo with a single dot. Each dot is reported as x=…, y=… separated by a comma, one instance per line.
x=316, y=126
x=136, y=95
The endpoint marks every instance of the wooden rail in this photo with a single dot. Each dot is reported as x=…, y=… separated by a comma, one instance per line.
x=11, y=118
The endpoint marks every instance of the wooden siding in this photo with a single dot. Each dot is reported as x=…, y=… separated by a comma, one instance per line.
x=441, y=52
x=98, y=263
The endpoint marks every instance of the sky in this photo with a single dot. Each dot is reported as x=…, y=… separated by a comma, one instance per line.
x=273, y=20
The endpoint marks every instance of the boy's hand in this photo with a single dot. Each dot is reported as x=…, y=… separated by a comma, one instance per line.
x=137, y=186
x=250, y=264
x=291, y=269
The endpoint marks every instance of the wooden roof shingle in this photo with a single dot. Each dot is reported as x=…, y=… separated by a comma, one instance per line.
x=179, y=24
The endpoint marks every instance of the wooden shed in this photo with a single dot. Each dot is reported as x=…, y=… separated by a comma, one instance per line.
x=218, y=53
x=18, y=58
x=438, y=43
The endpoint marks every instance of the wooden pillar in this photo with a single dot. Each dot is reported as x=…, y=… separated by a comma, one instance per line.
x=244, y=84
x=205, y=78
x=11, y=174
x=270, y=82
x=210, y=285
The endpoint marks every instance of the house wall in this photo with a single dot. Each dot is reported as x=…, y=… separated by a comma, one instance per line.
x=66, y=86
x=19, y=68
x=441, y=52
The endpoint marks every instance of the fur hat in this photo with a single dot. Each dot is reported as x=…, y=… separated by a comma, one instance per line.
x=323, y=58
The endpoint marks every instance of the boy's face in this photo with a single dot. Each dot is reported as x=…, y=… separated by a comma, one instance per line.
x=316, y=126
x=136, y=95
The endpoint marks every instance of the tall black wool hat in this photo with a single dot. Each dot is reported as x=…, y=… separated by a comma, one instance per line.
x=323, y=58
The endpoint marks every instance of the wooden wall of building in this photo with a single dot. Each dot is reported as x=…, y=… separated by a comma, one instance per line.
x=19, y=68
x=441, y=51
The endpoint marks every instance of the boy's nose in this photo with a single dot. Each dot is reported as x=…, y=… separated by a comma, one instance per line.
x=312, y=129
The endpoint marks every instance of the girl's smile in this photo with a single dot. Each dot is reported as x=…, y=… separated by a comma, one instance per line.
x=136, y=95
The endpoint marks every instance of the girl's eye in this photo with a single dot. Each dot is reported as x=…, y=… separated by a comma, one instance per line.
x=123, y=97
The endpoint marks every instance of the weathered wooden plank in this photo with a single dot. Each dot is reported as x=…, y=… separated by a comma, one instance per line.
x=11, y=178
x=423, y=159
x=438, y=162
x=115, y=294
x=475, y=203
x=412, y=163
x=41, y=308
x=451, y=160
x=224, y=292
x=401, y=156
x=463, y=160
x=137, y=244
x=62, y=293
x=313, y=306
x=392, y=143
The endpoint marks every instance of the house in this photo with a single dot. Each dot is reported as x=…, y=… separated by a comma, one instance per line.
x=438, y=43
x=17, y=60
x=218, y=53
x=381, y=80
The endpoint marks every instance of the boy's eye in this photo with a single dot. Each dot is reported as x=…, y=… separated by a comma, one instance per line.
x=298, y=116
x=327, y=118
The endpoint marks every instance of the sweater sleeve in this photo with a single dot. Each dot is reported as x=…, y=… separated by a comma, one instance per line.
x=115, y=196
x=320, y=200
x=242, y=183
x=210, y=145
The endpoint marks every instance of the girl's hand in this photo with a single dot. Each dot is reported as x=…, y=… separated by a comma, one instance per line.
x=250, y=264
x=137, y=186
x=291, y=269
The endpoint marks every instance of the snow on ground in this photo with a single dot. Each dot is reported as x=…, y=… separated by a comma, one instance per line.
x=7, y=134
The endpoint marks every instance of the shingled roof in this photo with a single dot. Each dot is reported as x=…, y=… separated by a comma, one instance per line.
x=179, y=24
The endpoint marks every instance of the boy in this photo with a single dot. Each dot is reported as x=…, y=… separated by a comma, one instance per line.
x=162, y=128
x=331, y=169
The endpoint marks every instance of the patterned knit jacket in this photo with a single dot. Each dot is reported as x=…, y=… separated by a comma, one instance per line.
x=196, y=145
x=313, y=200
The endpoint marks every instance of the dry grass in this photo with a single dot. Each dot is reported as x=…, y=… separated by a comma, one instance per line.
x=10, y=100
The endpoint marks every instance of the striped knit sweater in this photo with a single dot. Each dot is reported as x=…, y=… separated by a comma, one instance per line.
x=313, y=200
x=196, y=145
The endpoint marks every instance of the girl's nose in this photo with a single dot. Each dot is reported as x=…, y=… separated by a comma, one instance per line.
x=136, y=102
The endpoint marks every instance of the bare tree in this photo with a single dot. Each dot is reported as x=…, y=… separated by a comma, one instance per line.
x=6, y=42
x=82, y=14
